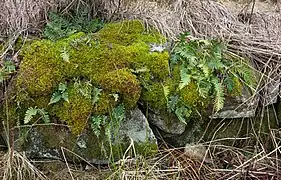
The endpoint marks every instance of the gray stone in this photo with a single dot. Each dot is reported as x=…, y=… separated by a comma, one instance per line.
x=167, y=124
x=271, y=91
x=196, y=151
x=243, y=106
x=137, y=128
x=56, y=141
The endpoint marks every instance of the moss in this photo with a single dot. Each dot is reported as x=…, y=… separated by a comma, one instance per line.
x=129, y=32
x=191, y=97
x=122, y=81
x=154, y=96
x=157, y=64
x=105, y=58
x=75, y=112
x=40, y=69
x=105, y=103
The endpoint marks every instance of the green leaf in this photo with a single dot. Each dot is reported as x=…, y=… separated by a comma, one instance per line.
x=172, y=103
x=44, y=115
x=185, y=78
x=29, y=114
x=62, y=87
x=56, y=97
x=229, y=83
x=219, y=94
x=64, y=96
x=96, y=123
x=166, y=90
x=182, y=113
x=96, y=94
x=118, y=113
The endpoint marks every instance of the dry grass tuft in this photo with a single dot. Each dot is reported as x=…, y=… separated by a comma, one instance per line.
x=17, y=167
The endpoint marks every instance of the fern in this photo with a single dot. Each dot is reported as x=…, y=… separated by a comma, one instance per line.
x=65, y=55
x=118, y=113
x=63, y=26
x=96, y=95
x=31, y=112
x=172, y=103
x=96, y=123
x=59, y=94
x=8, y=69
x=213, y=69
x=183, y=113
x=219, y=94
x=185, y=78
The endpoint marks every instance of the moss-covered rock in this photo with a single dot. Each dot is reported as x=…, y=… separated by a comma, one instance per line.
x=107, y=59
x=45, y=141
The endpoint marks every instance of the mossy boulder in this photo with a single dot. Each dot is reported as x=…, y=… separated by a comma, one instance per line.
x=58, y=142
x=119, y=60
x=109, y=60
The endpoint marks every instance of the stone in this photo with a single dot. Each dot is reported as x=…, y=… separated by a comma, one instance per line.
x=54, y=141
x=243, y=106
x=167, y=124
x=271, y=91
x=196, y=151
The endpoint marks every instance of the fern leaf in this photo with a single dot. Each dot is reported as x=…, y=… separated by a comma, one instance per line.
x=229, y=83
x=44, y=115
x=219, y=94
x=96, y=123
x=65, y=55
x=172, y=103
x=183, y=113
x=64, y=96
x=185, y=78
x=96, y=94
x=118, y=113
x=166, y=90
x=29, y=114
x=56, y=97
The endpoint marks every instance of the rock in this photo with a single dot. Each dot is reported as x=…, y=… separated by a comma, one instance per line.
x=196, y=151
x=55, y=141
x=243, y=106
x=192, y=134
x=271, y=91
x=167, y=123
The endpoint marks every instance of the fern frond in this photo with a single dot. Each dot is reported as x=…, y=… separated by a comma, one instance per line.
x=96, y=123
x=29, y=114
x=56, y=97
x=172, y=103
x=65, y=55
x=219, y=94
x=245, y=74
x=166, y=90
x=183, y=113
x=96, y=95
x=185, y=78
x=45, y=115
